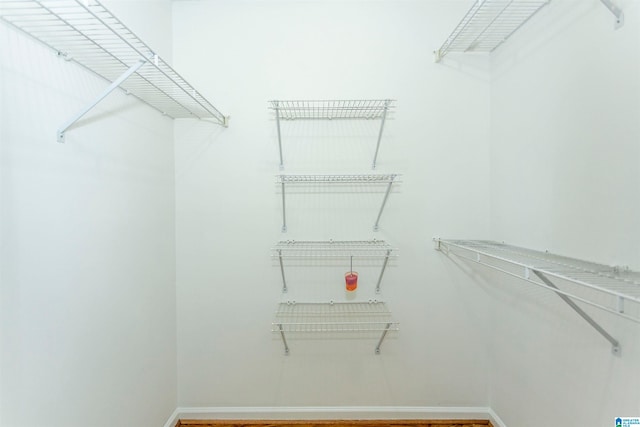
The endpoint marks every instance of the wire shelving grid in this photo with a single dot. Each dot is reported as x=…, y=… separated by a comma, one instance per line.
x=87, y=33
x=488, y=24
x=354, y=109
x=349, y=249
x=332, y=248
x=337, y=179
x=615, y=290
x=333, y=317
x=368, y=179
x=332, y=109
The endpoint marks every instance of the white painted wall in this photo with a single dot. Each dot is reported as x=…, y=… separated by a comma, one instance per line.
x=565, y=126
x=87, y=262
x=537, y=147
x=244, y=53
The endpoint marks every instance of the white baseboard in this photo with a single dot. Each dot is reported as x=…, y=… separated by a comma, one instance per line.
x=335, y=412
x=495, y=419
x=173, y=418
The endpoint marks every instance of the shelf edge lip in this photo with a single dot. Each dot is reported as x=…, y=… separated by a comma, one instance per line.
x=457, y=243
x=338, y=178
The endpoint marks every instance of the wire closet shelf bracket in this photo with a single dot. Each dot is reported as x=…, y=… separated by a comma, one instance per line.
x=362, y=109
x=85, y=32
x=488, y=24
x=615, y=290
x=349, y=249
x=331, y=318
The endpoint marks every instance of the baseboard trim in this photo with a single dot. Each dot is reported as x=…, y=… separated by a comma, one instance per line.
x=334, y=412
x=495, y=419
x=173, y=418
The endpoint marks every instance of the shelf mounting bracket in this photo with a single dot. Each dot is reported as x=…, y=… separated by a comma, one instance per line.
x=384, y=266
x=117, y=82
x=384, y=334
x=277, y=108
x=284, y=340
x=615, y=349
x=376, y=226
x=384, y=117
x=284, y=280
x=284, y=209
x=617, y=12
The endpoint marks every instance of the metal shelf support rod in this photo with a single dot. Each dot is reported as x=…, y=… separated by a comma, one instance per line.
x=279, y=136
x=384, y=117
x=384, y=334
x=284, y=210
x=384, y=266
x=284, y=280
x=617, y=12
x=616, y=350
x=284, y=340
x=100, y=97
x=384, y=202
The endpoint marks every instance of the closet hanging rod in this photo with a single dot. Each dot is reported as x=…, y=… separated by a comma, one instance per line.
x=87, y=33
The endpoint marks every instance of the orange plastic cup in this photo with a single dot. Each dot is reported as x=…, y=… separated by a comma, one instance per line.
x=351, y=279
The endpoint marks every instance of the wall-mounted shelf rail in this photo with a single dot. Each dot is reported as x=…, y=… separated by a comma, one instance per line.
x=388, y=179
x=84, y=31
x=488, y=24
x=612, y=289
x=334, y=249
x=368, y=109
x=333, y=317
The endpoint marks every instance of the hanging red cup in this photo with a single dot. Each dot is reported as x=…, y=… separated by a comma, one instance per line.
x=351, y=279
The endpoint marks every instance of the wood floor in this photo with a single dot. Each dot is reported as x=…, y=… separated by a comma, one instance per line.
x=335, y=423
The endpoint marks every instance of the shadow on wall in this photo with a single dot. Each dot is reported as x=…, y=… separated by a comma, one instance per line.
x=195, y=137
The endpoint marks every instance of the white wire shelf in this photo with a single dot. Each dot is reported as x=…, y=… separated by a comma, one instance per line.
x=87, y=33
x=607, y=288
x=488, y=24
x=388, y=179
x=333, y=248
x=333, y=317
x=352, y=249
x=337, y=179
x=367, y=109
x=332, y=109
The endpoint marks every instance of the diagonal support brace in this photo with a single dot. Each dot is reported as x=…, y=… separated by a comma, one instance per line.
x=384, y=119
x=384, y=334
x=100, y=97
x=376, y=226
x=616, y=350
x=279, y=135
x=284, y=279
x=384, y=266
x=617, y=12
x=284, y=340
